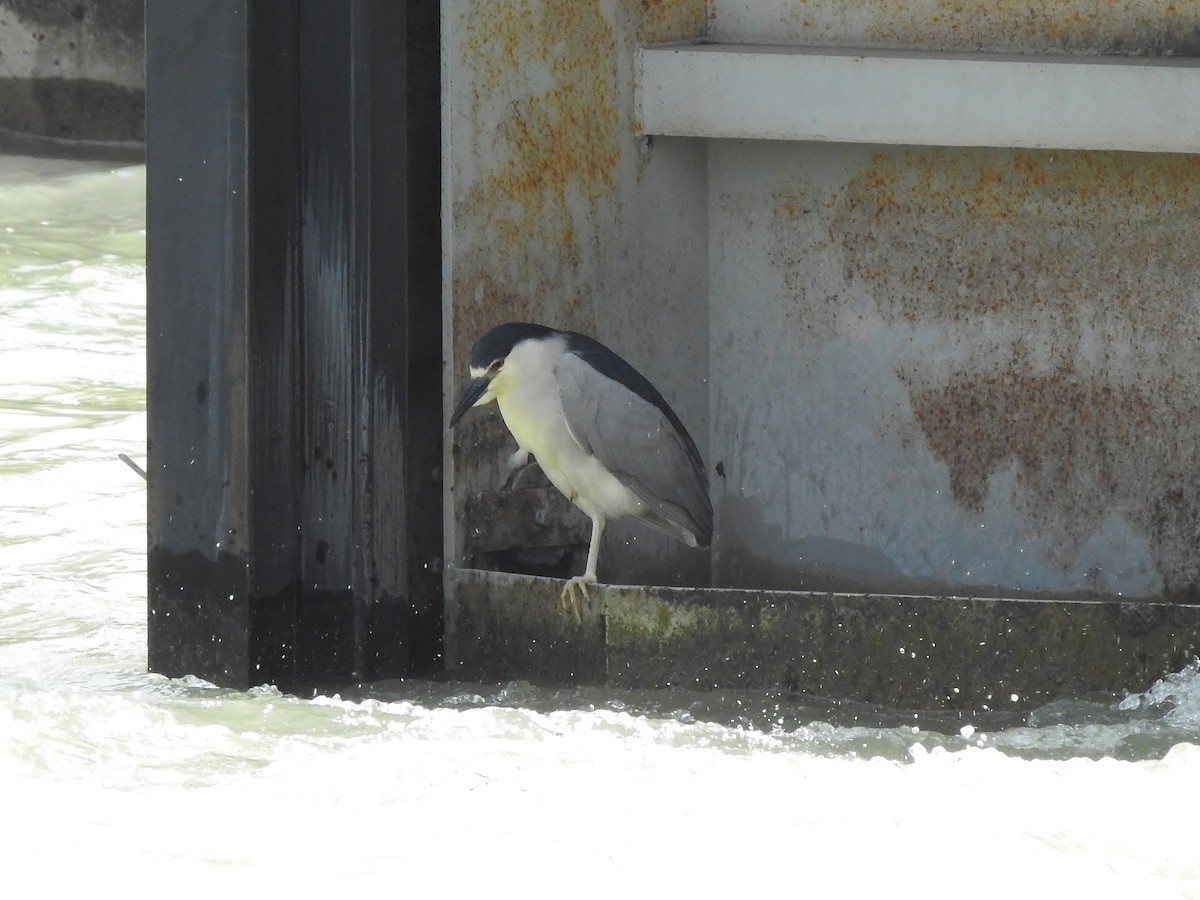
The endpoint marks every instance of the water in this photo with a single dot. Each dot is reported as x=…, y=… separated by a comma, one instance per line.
x=113, y=777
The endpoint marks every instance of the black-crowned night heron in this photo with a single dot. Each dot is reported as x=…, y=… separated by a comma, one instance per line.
x=600, y=431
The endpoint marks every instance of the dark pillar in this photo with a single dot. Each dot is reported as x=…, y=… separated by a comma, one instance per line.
x=294, y=329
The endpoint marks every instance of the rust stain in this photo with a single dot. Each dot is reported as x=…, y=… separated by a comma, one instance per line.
x=1082, y=449
x=794, y=243
x=551, y=107
x=982, y=420
x=1061, y=289
x=1022, y=231
x=1131, y=27
x=559, y=138
x=671, y=20
x=544, y=134
x=558, y=66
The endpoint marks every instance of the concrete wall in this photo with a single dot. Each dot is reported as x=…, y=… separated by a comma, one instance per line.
x=72, y=70
x=977, y=368
x=1083, y=27
x=910, y=369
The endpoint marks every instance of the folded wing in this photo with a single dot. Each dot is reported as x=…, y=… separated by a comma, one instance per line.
x=642, y=444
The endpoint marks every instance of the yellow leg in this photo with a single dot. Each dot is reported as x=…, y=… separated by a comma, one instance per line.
x=580, y=582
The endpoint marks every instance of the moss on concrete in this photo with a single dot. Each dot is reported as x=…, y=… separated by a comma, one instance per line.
x=923, y=652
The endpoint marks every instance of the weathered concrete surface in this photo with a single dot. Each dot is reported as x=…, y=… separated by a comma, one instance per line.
x=501, y=626
x=909, y=652
x=1112, y=27
x=973, y=375
x=976, y=372
x=72, y=74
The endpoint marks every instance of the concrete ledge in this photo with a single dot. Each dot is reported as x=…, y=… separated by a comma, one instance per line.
x=501, y=627
x=72, y=82
x=24, y=144
x=814, y=94
x=906, y=652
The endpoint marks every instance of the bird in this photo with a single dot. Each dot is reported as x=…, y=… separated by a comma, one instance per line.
x=601, y=432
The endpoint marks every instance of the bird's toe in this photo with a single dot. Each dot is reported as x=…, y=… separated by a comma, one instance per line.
x=570, y=600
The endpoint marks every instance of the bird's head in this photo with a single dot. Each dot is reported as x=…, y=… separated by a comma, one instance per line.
x=486, y=363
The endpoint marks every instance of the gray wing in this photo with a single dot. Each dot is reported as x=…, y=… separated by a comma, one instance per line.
x=632, y=438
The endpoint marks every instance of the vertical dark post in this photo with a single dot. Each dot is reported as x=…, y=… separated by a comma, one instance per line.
x=424, y=428
x=291, y=444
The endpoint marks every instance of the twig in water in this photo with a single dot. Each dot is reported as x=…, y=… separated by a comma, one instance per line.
x=123, y=457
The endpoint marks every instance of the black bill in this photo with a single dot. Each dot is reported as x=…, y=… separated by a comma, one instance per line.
x=475, y=389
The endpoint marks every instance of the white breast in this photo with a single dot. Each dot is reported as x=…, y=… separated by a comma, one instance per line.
x=532, y=410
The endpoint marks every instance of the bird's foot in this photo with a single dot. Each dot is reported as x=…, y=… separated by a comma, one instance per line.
x=570, y=600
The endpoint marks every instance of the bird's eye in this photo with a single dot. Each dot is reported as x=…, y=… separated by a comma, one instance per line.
x=497, y=365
